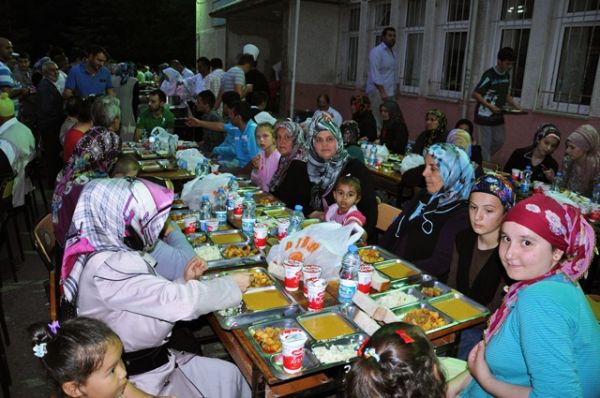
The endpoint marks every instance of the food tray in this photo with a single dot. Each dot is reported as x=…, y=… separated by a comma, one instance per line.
x=197, y=238
x=167, y=164
x=276, y=211
x=409, y=290
x=408, y=271
x=248, y=188
x=223, y=262
x=338, y=312
x=429, y=281
x=265, y=199
x=217, y=237
x=353, y=340
x=128, y=151
x=386, y=255
x=179, y=216
x=146, y=154
x=284, y=323
x=150, y=165
x=308, y=222
x=239, y=316
x=424, y=305
x=477, y=309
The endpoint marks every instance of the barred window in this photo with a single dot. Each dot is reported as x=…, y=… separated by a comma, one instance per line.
x=413, y=48
x=380, y=18
x=352, y=51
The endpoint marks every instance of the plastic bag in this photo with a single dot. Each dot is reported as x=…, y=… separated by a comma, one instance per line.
x=207, y=185
x=189, y=159
x=411, y=161
x=322, y=244
x=382, y=153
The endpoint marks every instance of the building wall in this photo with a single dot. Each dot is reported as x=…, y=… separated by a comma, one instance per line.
x=210, y=38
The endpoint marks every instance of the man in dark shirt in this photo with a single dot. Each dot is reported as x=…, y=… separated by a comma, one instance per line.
x=255, y=77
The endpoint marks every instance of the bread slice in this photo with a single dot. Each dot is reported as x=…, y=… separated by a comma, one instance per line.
x=380, y=282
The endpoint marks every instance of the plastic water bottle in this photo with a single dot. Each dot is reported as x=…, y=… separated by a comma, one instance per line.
x=249, y=214
x=373, y=156
x=526, y=179
x=232, y=185
x=596, y=194
x=408, y=149
x=296, y=220
x=205, y=212
x=557, y=182
x=349, y=275
x=220, y=206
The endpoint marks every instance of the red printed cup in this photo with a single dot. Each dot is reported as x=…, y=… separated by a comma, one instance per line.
x=293, y=271
x=365, y=275
x=308, y=272
x=238, y=209
x=260, y=235
x=538, y=187
x=212, y=225
x=595, y=213
x=282, y=227
x=292, y=349
x=316, y=293
x=189, y=225
x=516, y=175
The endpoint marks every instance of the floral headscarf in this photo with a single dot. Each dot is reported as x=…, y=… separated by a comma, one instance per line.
x=108, y=211
x=497, y=185
x=350, y=131
x=564, y=228
x=442, y=126
x=298, y=152
x=461, y=139
x=93, y=157
x=545, y=130
x=323, y=174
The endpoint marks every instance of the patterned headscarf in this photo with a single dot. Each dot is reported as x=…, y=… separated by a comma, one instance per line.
x=350, y=131
x=497, y=185
x=564, y=228
x=461, y=139
x=545, y=130
x=442, y=126
x=92, y=158
x=108, y=211
x=298, y=152
x=323, y=174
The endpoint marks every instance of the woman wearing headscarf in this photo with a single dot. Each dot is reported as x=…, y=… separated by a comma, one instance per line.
x=328, y=160
x=462, y=139
x=436, y=130
x=107, y=272
x=544, y=340
x=362, y=114
x=538, y=155
x=582, y=164
x=475, y=269
x=127, y=90
x=426, y=230
x=93, y=157
x=394, y=133
x=290, y=182
x=350, y=132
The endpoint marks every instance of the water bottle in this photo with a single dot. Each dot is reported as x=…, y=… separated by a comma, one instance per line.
x=526, y=179
x=349, y=275
x=220, y=206
x=232, y=185
x=249, y=214
x=408, y=149
x=145, y=135
x=557, y=182
x=296, y=220
x=596, y=194
x=373, y=156
x=205, y=212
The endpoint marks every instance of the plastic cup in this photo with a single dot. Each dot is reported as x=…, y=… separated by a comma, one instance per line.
x=282, y=227
x=292, y=349
x=212, y=225
x=238, y=208
x=260, y=235
x=595, y=213
x=516, y=175
x=538, y=187
x=308, y=272
x=189, y=225
x=293, y=270
x=365, y=275
x=221, y=215
x=316, y=293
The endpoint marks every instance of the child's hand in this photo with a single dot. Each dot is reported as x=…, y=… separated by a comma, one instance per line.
x=478, y=366
x=194, y=268
x=256, y=162
x=192, y=122
x=242, y=279
x=317, y=214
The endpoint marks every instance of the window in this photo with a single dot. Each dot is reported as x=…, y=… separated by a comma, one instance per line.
x=380, y=18
x=353, y=33
x=413, y=34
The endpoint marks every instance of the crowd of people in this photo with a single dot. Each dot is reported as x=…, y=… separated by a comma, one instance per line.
x=131, y=274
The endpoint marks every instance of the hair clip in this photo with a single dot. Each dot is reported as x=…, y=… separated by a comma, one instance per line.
x=371, y=353
x=361, y=349
x=404, y=336
x=54, y=326
x=39, y=350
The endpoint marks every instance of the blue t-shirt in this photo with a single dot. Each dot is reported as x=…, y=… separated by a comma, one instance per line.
x=244, y=143
x=550, y=342
x=226, y=150
x=84, y=84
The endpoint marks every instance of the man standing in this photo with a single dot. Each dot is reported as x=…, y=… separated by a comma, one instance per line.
x=90, y=77
x=492, y=93
x=383, y=80
x=7, y=82
x=235, y=78
x=212, y=82
x=157, y=115
x=255, y=77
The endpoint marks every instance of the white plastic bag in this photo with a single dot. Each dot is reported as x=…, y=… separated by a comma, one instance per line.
x=411, y=161
x=206, y=185
x=382, y=153
x=322, y=244
x=189, y=159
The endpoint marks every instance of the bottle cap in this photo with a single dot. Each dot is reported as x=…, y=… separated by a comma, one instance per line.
x=249, y=195
x=204, y=197
x=298, y=208
x=352, y=248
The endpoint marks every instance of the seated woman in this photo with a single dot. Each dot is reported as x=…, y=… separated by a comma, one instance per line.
x=394, y=133
x=462, y=139
x=93, y=157
x=362, y=114
x=538, y=155
x=467, y=125
x=475, y=269
x=581, y=167
x=544, y=340
x=350, y=132
x=267, y=161
x=327, y=161
x=108, y=275
x=426, y=230
x=290, y=182
x=436, y=130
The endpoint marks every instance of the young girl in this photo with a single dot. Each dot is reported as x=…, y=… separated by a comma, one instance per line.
x=397, y=361
x=83, y=357
x=346, y=194
x=266, y=162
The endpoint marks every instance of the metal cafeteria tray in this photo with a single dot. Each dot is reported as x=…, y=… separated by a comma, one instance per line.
x=482, y=310
x=429, y=281
x=353, y=341
x=167, y=164
x=249, y=188
x=266, y=197
x=343, y=312
x=283, y=323
x=214, y=236
x=401, y=312
x=223, y=262
x=146, y=154
x=197, y=238
x=408, y=290
x=150, y=165
x=276, y=211
x=412, y=272
x=239, y=316
x=386, y=255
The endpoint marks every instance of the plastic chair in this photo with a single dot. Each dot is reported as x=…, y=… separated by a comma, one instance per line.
x=386, y=215
x=46, y=247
